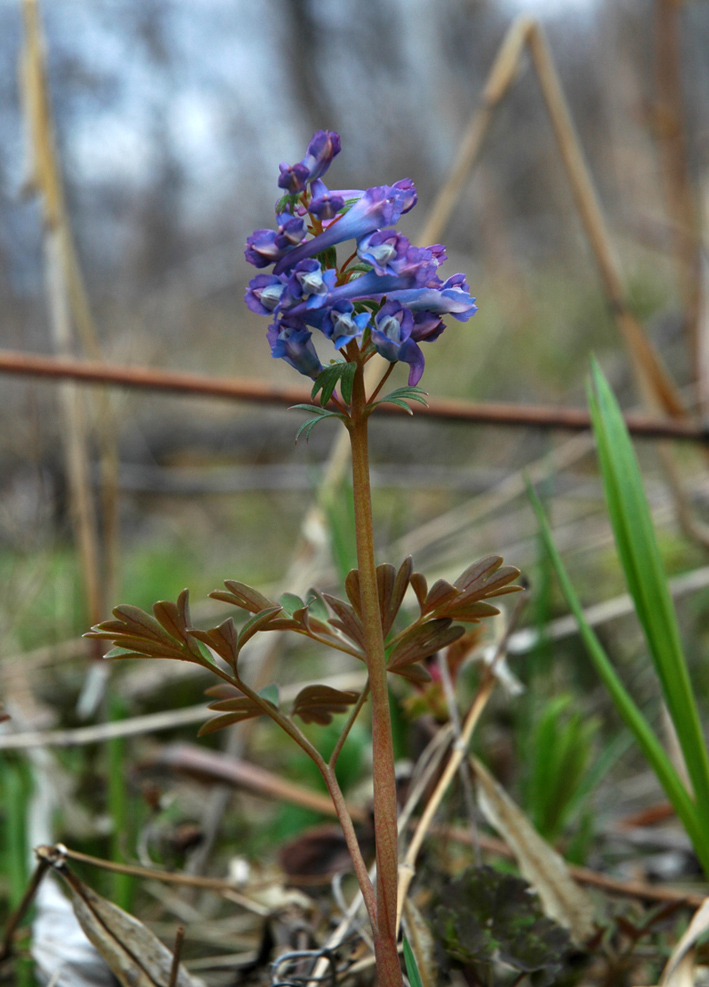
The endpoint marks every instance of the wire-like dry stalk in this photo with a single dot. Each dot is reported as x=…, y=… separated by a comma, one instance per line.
x=264, y=392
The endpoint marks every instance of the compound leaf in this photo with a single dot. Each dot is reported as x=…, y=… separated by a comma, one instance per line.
x=318, y=703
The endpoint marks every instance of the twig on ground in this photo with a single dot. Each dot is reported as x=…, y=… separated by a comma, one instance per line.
x=177, y=950
x=22, y=909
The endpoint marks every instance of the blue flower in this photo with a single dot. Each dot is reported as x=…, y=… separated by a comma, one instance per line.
x=261, y=249
x=340, y=324
x=291, y=231
x=265, y=247
x=309, y=284
x=293, y=178
x=366, y=286
x=323, y=147
x=306, y=290
x=409, y=194
x=264, y=293
x=450, y=298
x=318, y=157
x=290, y=340
x=324, y=204
x=379, y=206
x=427, y=327
x=383, y=249
x=393, y=326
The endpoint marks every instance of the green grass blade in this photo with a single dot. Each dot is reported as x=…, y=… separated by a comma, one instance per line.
x=412, y=970
x=633, y=718
x=15, y=798
x=640, y=557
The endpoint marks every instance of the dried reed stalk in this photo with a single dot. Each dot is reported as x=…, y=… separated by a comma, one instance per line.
x=682, y=203
x=68, y=307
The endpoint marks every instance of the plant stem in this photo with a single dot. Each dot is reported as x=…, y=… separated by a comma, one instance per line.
x=363, y=696
x=348, y=831
x=385, y=803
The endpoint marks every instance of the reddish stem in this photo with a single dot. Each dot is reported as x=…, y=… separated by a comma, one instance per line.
x=385, y=802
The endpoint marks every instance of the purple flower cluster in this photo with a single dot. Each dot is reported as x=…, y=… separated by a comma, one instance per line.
x=387, y=295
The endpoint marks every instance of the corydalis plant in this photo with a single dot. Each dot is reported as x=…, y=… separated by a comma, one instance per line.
x=384, y=298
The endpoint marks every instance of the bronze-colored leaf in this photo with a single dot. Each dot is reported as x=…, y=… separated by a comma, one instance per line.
x=391, y=588
x=318, y=703
x=424, y=640
x=106, y=629
x=352, y=588
x=316, y=625
x=258, y=623
x=141, y=624
x=479, y=570
x=241, y=595
x=138, y=633
x=175, y=619
x=386, y=576
x=348, y=621
x=231, y=711
x=223, y=691
x=222, y=639
x=222, y=722
x=420, y=587
x=152, y=649
x=401, y=584
x=283, y=624
x=414, y=673
x=489, y=578
x=441, y=592
x=469, y=612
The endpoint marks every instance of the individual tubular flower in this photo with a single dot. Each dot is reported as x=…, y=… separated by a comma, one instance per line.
x=368, y=286
x=323, y=147
x=309, y=284
x=392, y=336
x=383, y=249
x=290, y=340
x=379, y=206
x=427, y=327
x=324, y=204
x=261, y=249
x=450, y=298
x=293, y=178
x=341, y=325
x=291, y=231
x=265, y=247
x=264, y=293
x=409, y=194
x=318, y=157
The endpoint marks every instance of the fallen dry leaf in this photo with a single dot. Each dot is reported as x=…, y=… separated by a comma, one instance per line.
x=679, y=971
x=561, y=897
x=135, y=955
